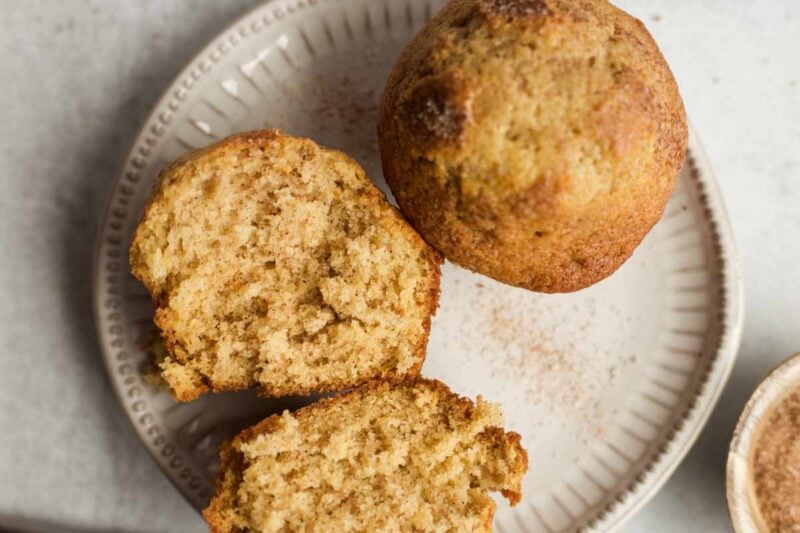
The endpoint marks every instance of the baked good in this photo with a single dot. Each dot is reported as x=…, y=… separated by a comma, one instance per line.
x=275, y=263
x=409, y=456
x=533, y=141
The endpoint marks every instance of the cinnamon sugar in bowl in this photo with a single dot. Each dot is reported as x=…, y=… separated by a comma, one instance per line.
x=763, y=482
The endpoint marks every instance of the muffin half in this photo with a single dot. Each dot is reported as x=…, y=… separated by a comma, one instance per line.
x=411, y=456
x=275, y=263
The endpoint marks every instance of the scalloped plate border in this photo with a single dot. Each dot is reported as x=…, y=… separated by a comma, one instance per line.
x=109, y=263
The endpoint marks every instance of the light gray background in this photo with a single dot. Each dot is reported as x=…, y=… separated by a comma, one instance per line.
x=77, y=79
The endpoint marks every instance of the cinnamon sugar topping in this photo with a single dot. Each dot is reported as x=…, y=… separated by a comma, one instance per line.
x=776, y=466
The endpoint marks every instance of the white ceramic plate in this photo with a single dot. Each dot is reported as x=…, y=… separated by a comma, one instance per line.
x=609, y=386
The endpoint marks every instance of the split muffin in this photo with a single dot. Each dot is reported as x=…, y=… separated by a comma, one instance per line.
x=409, y=456
x=275, y=263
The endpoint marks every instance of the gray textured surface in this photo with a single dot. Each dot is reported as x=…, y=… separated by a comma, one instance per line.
x=78, y=78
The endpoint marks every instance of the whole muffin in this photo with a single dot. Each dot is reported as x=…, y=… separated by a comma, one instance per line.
x=533, y=141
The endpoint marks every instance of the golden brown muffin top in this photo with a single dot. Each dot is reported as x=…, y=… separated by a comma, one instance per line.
x=521, y=118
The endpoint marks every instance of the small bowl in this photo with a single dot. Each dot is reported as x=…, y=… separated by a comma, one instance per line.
x=742, y=503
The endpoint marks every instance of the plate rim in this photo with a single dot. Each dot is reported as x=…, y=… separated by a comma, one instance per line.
x=731, y=311
x=682, y=435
